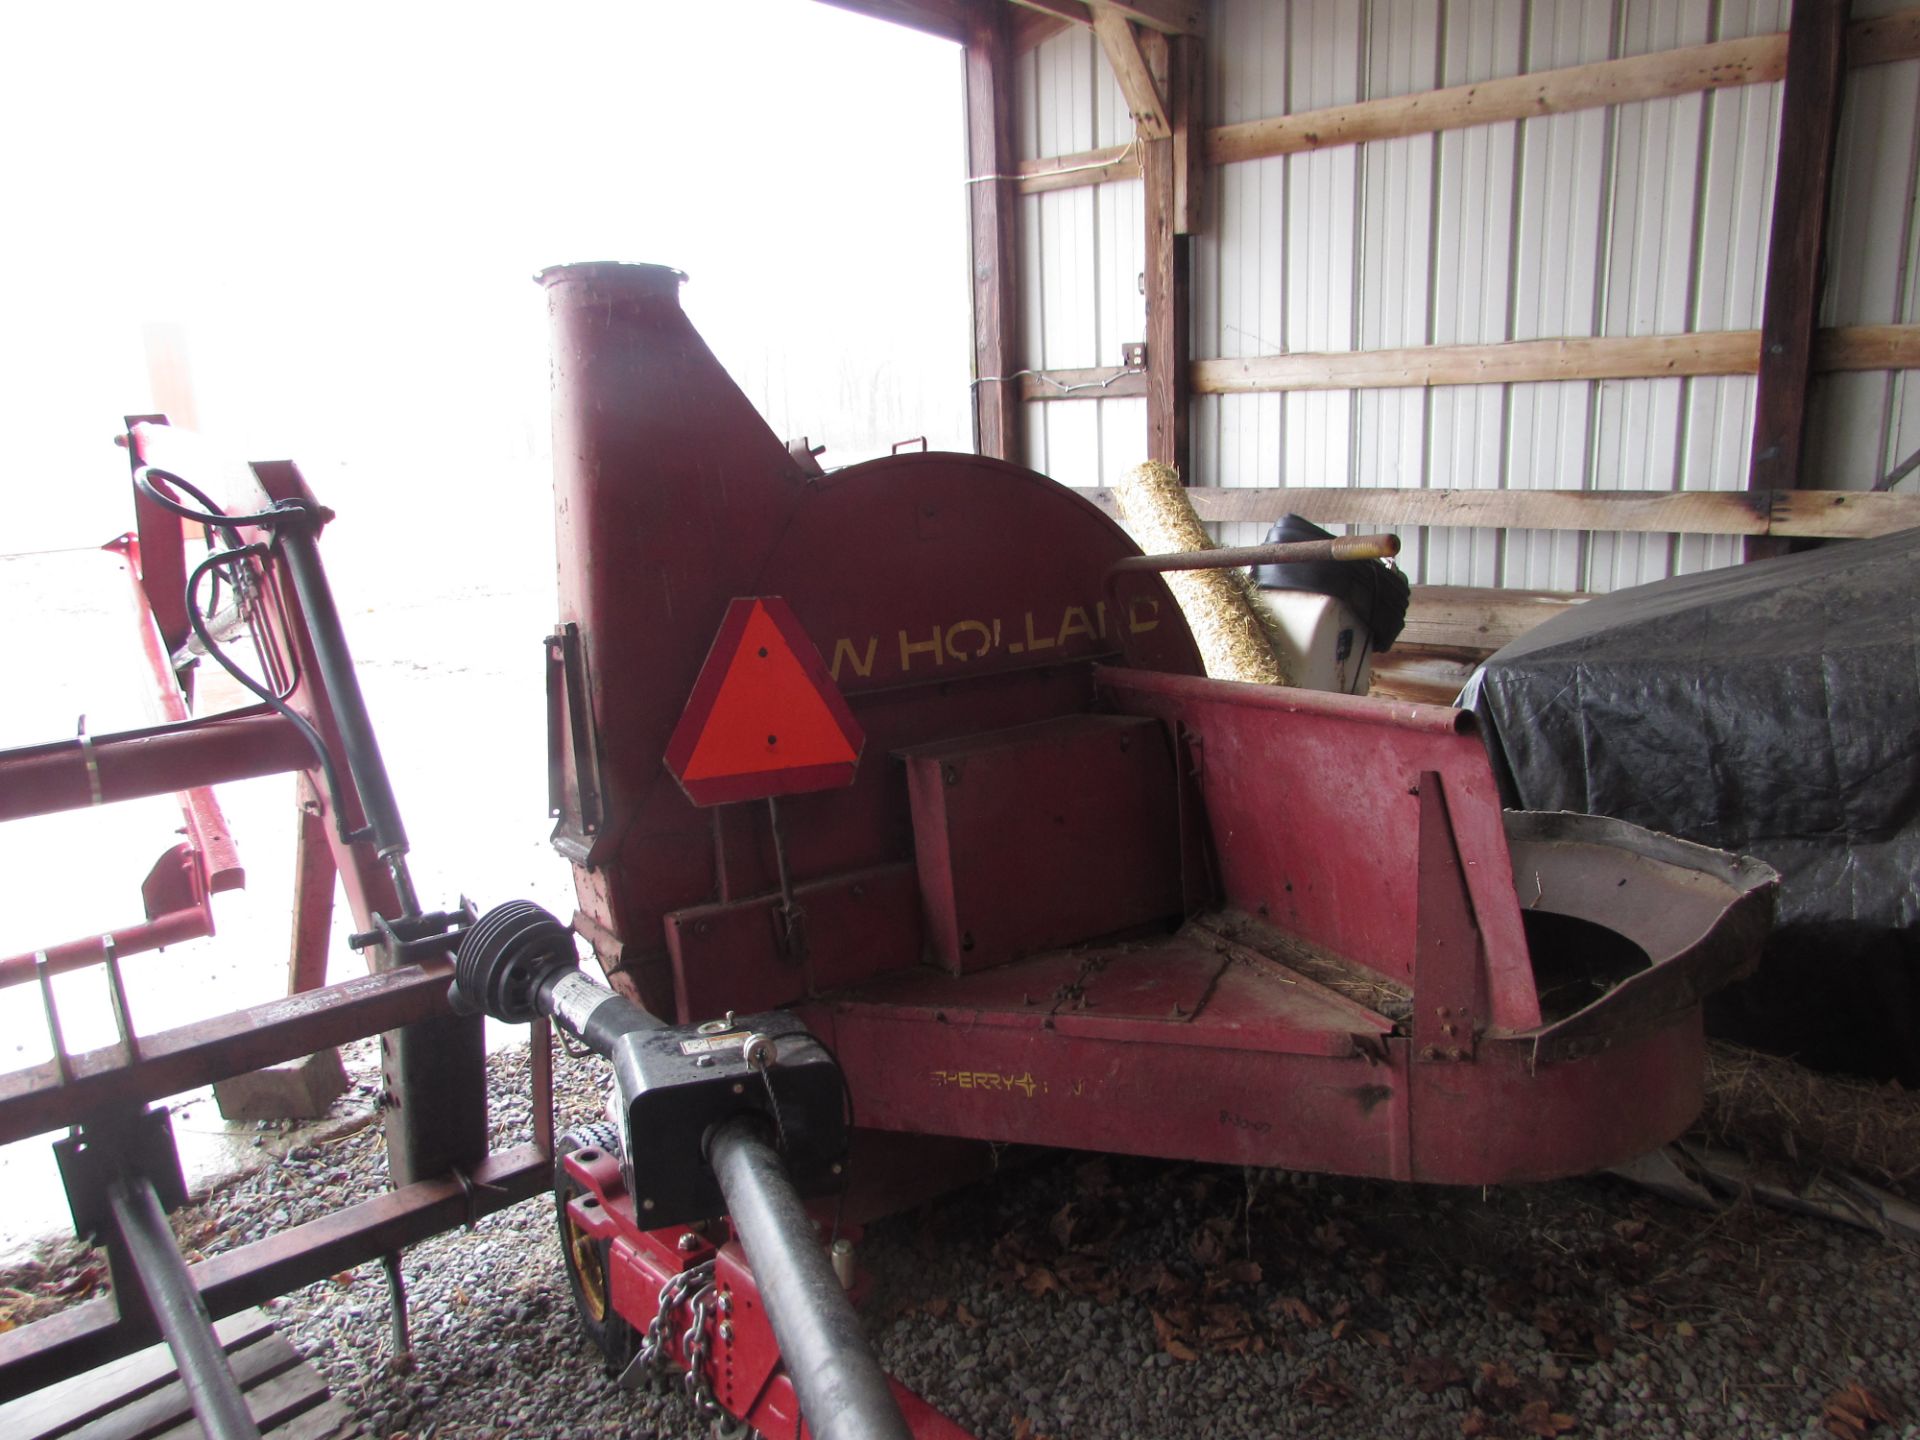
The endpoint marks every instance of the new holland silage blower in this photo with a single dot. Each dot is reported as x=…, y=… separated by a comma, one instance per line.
x=896, y=796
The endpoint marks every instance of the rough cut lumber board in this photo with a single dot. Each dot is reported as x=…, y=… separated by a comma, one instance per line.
x=1425, y=675
x=1090, y=167
x=141, y=1397
x=1867, y=347
x=1810, y=514
x=1713, y=352
x=1102, y=384
x=60, y=1408
x=1146, y=100
x=1169, y=17
x=1641, y=357
x=1715, y=66
x=1467, y=617
x=1167, y=279
x=1755, y=60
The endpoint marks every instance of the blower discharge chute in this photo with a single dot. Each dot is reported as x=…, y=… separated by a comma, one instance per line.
x=913, y=764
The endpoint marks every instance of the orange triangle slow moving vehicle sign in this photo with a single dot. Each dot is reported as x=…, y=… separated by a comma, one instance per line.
x=765, y=717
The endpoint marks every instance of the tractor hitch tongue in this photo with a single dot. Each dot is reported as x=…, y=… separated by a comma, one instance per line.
x=741, y=1116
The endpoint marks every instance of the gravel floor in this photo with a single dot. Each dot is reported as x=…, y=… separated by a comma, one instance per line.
x=1082, y=1296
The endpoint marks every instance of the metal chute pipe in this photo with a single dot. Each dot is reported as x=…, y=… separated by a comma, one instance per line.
x=1293, y=552
x=843, y=1393
x=181, y=1313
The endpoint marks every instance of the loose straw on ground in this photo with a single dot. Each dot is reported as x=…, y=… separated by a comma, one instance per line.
x=1235, y=631
x=1774, y=1109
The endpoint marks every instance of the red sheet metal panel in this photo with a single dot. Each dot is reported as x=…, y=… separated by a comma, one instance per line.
x=728, y=956
x=1314, y=805
x=1044, y=835
x=1002, y=1077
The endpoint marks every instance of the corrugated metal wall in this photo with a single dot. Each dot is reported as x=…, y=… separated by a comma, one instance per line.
x=1081, y=258
x=1648, y=218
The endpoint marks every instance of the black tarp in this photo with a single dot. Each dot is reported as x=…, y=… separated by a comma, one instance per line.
x=1773, y=710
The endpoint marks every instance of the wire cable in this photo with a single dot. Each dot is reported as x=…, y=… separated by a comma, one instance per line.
x=277, y=703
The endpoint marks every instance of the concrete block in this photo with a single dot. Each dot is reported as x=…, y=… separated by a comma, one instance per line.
x=302, y=1090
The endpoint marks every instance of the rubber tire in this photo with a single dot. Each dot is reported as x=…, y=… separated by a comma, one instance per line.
x=616, y=1340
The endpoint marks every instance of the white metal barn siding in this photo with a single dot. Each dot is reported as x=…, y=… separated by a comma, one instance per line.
x=1082, y=253
x=1647, y=218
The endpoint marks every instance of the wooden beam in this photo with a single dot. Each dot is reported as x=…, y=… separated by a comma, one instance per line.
x=1840, y=514
x=1168, y=272
x=1472, y=618
x=1108, y=384
x=1090, y=167
x=1884, y=39
x=1169, y=17
x=1033, y=28
x=1867, y=347
x=1422, y=674
x=1606, y=357
x=1186, y=64
x=1822, y=514
x=993, y=215
x=1145, y=98
x=1693, y=68
x=1713, y=66
x=1716, y=352
x=947, y=19
x=1809, y=125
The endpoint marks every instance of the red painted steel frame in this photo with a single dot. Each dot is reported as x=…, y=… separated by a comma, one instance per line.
x=436, y=1101
x=743, y=1367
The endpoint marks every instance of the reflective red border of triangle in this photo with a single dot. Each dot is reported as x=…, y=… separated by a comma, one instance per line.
x=759, y=784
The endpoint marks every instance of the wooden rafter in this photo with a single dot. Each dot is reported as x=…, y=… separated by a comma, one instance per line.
x=1145, y=97
x=1168, y=17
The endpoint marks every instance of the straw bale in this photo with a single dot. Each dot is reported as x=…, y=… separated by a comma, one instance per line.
x=1232, y=626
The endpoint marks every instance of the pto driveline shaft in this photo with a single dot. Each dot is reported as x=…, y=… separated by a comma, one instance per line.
x=588, y=1011
x=842, y=1390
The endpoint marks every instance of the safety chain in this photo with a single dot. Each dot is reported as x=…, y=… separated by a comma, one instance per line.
x=697, y=1346
x=653, y=1361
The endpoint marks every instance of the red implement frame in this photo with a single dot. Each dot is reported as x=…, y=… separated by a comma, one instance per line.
x=738, y=1368
x=436, y=1093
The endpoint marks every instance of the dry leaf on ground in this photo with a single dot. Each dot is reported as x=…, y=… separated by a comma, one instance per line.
x=1852, y=1411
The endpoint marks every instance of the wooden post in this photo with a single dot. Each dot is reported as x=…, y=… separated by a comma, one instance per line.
x=1809, y=123
x=993, y=213
x=314, y=874
x=1168, y=251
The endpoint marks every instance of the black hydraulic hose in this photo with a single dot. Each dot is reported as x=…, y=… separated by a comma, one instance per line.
x=181, y=1313
x=143, y=480
x=196, y=617
x=843, y=1393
